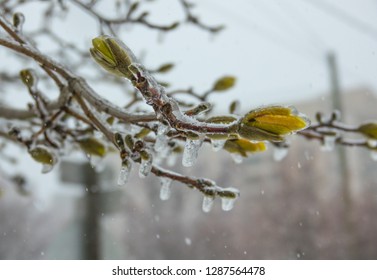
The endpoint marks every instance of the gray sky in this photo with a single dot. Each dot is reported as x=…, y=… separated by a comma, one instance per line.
x=276, y=49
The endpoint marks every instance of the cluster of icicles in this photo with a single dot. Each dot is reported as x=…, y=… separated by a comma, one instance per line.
x=190, y=155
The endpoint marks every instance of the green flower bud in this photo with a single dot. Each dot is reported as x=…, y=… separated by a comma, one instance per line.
x=113, y=56
x=224, y=83
x=369, y=130
x=165, y=68
x=142, y=133
x=92, y=146
x=18, y=20
x=129, y=141
x=29, y=78
x=42, y=155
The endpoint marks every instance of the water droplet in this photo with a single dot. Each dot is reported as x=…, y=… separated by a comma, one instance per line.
x=207, y=203
x=188, y=241
x=190, y=153
x=145, y=167
x=124, y=174
x=298, y=255
x=165, y=191
x=299, y=165
x=227, y=203
x=157, y=236
x=245, y=252
x=280, y=153
x=217, y=145
x=42, y=253
x=237, y=158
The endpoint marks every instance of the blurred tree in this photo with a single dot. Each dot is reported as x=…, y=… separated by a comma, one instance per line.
x=81, y=118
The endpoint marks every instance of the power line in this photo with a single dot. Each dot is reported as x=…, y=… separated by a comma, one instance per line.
x=304, y=25
x=345, y=17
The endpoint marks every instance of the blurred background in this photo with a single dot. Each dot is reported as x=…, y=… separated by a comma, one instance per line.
x=313, y=204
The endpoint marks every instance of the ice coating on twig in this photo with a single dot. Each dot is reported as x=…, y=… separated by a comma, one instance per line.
x=165, y=191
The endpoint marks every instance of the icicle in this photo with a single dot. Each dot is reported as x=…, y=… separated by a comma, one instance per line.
x=165, y=191
x=237, y=158
x=161, y=140
x=124, y=173
x=207, y=203
x=47, y=168
x=372, y=143
x=373, y=155
x=217, y=145
x=145, y=167
x=190, y=152
x=280, y=153
x=328, y=143
x=96, y=162
x=172, y=159
x=227, y=203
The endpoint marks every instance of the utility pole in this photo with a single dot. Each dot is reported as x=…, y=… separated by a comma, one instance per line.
x=84, y=174
x=91, y=227
x=344, y=170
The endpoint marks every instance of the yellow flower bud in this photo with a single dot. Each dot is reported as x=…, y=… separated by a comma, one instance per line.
x=271, y=123
x=243, y=147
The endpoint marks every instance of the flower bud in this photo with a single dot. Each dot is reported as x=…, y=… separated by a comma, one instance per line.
x=113, y=56
x=271, y=123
